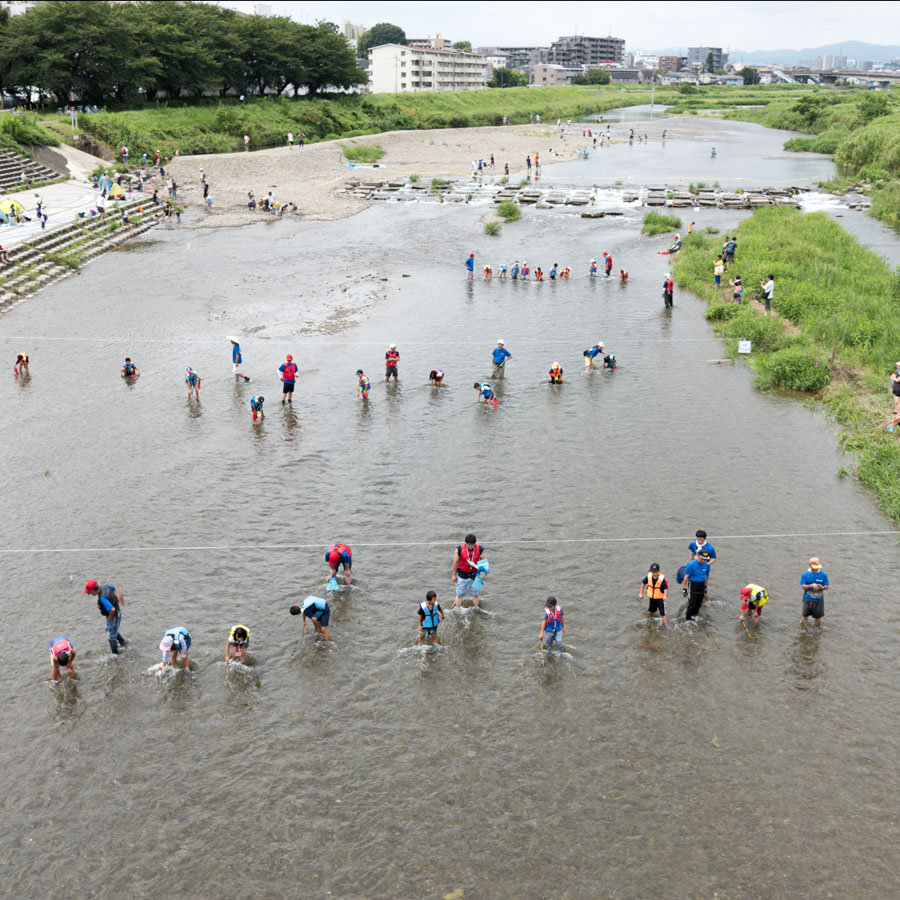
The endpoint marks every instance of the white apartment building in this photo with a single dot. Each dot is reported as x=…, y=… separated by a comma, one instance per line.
x=397, y=69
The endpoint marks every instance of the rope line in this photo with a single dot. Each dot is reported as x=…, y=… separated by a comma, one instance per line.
x=379, y=544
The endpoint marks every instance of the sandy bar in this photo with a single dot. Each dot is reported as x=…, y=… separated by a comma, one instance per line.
x=312, y=176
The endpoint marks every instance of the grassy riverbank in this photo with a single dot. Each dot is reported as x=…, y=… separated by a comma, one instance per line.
x=836, y=332
x=219, y=127
x=861, y=129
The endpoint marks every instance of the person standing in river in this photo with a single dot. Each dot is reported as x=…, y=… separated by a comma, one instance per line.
x=553, y=626
x=391, y=358
x=465, y=569
x=499, y=356
x=288, y=371
x=696, y=573
x=110, y=601
x=236, y=360
x=701, y=545
x=470, y=267
x=814, y=583
x=430, y=617
x=668, y=290
x=657, y=592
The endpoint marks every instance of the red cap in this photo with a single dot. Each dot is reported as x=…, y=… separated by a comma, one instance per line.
x=91, y=586
x=745, y=592
x=334, y=557
x=289, y=357
x=471, y=254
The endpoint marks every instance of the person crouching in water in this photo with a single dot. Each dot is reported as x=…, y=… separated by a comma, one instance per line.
x=555, y=374
x=21, y=366
x=237, y=644
x=753, y=598
x=62, y=654
x=256, y=407
x=436, y=377
x=430, y=617
x=175, y=643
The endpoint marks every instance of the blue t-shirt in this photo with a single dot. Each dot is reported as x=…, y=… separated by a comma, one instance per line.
x=500, y=354
x=696, y=570
x=810, y=578
x=594, y=351
x=487, y=391
x=470, y=264
x=236, y=354
x=694, y=547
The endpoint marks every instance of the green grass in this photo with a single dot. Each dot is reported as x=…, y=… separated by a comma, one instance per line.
x=20, y=131
x=841, y=299
x=365, y=153
x=413, y=178
x=509, y=210
x=492, y=228
x=659, y=223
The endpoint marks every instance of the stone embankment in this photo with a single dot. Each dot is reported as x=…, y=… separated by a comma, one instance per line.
x=13, y=166
x=63, y=251
x=597, y=201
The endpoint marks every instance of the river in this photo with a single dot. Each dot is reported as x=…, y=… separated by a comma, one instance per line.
x=696, y=761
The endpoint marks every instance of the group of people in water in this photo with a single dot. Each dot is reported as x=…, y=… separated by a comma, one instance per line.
x=522, y=272
x=470, y=568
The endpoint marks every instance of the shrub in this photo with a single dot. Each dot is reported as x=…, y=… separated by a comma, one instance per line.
x=365, y=153
x=658, y=223
x=720, y=311
x=509, y=210
x=796, y=368
x=492, y=228
x=413, y=178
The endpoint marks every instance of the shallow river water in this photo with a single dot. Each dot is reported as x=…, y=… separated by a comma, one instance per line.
x=690, y=762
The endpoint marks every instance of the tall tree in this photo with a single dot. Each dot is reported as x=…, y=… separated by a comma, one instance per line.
x=710, y=65
x=750, y=75
x=382, y=33
x=503, y=78
x=592, y=76
x=328, y=61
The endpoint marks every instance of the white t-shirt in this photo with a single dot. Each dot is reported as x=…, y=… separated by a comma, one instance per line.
x=769, y=289
x=290, y=137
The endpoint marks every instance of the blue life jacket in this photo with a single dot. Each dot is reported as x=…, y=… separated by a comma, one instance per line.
x=256, y=404
x=130, y=369
x=431, y=619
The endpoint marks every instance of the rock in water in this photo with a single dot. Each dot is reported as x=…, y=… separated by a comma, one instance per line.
x=458, y=894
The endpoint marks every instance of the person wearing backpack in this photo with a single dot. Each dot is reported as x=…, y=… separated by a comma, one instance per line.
x=657, y=592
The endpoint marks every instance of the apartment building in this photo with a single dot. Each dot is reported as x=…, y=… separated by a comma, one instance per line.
x=581, y=50
x=672, y=63
x=548, y=74
x=401, y=68
x=697, y=56
x=523, y=59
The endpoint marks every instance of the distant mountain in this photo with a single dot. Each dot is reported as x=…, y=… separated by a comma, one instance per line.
x=853, y=49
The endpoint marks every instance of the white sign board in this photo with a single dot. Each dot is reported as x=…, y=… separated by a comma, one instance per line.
x=745, y=346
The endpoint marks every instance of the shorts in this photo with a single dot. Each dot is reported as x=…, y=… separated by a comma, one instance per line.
x=430, y=631
x=390, y=370
x=718, y=279
x=236, y=369
x=287, y=387
x=814, y=608
x=322, y=617
x=347, y=566
x=463, y=585
x=658, y=605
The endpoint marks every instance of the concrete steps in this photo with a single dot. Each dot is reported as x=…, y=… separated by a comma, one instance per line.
x=13, y=165
x=41, y=262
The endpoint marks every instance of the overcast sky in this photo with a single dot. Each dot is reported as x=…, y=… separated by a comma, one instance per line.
x=644, y=25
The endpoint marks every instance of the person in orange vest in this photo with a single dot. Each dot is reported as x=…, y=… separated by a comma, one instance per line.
x=555, y=374
x=62, y=653
x=391, y=358
x=340, y=555
x=657, y=592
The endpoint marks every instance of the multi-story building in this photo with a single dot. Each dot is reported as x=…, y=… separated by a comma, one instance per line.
x=697, y=57
x=672, y=63
x=547, y=74
x=522, y=59
x=581, y=50
x=401, y=68
x=829, y=61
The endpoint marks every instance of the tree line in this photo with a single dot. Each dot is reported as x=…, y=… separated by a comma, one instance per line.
x=97, y=52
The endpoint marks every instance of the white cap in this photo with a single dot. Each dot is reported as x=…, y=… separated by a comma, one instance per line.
x=668, y=275
x=392, y=347
x=500, y=342
x=167, y=643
